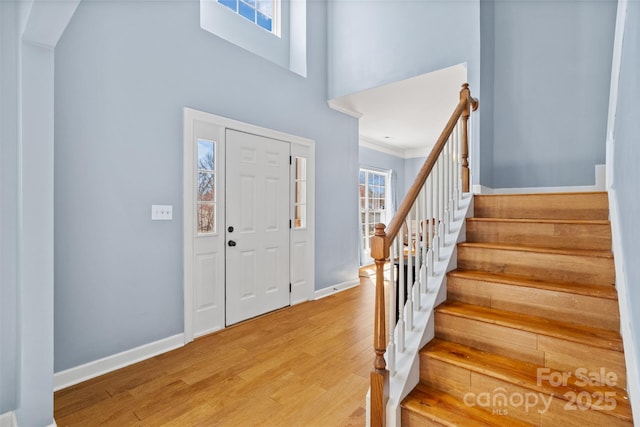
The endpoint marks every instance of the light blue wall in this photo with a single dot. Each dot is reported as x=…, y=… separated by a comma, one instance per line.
x=124, y=71
x=411, y=168
x=35, y=297
x=375, y=43
x=8, y=207
x=378, y=42
x=552, y=75
x=626, y=178
x=26, y=202
x=487, y=72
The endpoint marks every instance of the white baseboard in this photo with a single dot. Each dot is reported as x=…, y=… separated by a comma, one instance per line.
x=481, y=189
x=600, y=185
x=330, y=290
x=107, y=364
x=8, y=419
x=626, y=327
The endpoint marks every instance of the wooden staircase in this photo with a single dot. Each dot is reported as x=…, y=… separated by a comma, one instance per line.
x=529, y=334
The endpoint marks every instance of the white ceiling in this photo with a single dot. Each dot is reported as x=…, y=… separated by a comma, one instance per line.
x=405, y=118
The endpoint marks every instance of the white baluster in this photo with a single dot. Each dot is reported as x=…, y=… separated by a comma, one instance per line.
x=436, y=211
x=417, y=301
x=445, y=174
x=431, y=222
x=401, y=294
x=423, y=240
x=456, y=167
x=391, y=346
x=450, y=178
x=409, y=309
x=441, y=200
x=448, y=198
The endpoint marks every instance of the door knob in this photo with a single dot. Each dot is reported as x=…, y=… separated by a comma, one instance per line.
x=230, y=229
x=231, y=243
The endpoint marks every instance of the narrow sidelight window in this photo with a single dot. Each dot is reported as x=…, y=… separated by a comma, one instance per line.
x=206, y=187
x=300, y=202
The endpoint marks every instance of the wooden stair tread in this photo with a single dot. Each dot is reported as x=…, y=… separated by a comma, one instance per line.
x=536, y=249
x=587, y=205
x=602, y=338
x=448, y=410
x=608, y=292
x=541, y=194
x=520, y=373
x=543, y=221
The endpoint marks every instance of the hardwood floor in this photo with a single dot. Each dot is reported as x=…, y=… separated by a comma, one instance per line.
x=306, y=365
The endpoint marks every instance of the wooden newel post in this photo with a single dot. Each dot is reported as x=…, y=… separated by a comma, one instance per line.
x=471, y=104
x=465, y=93
x=380, y=375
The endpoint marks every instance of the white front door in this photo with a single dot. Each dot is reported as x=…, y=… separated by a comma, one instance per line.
x=257, y=225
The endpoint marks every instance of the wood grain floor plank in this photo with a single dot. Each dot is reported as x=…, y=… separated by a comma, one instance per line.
x=306, y=365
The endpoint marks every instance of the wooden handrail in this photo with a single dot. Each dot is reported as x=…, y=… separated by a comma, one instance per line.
x=383, y=239
x=461, y=110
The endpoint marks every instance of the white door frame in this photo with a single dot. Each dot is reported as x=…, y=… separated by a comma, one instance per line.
x=302, y=240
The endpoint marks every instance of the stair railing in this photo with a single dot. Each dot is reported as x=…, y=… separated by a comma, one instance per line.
x=413, y=239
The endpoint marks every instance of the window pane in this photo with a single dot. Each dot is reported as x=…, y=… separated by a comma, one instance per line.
x=260, y=12
x=266, y=7
x=247, y=11
x=301, y=216
x=301, y=168
x=206, y=155
x=206, y=187
x=206, y=218
x=301, y=192
x=264, y=22
x=231, y=4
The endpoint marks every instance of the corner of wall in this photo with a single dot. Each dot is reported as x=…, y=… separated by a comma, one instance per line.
x=626, y=323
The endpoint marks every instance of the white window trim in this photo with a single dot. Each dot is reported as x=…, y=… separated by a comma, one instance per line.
x=288, y=49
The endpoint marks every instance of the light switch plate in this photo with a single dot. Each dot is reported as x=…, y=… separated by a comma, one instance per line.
x=162, y=212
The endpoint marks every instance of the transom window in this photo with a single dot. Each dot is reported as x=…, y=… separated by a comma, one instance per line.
x=373, y=205
x=260, y=12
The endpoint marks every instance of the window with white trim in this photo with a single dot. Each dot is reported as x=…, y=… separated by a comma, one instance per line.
x=273, y=29
x=374, y=188
x=263, y=13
